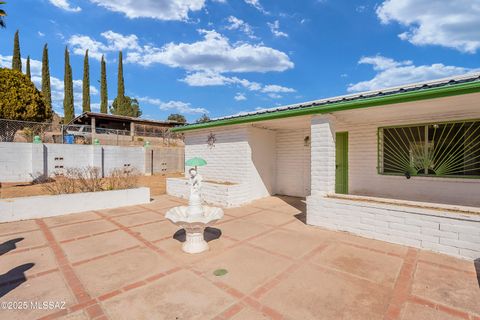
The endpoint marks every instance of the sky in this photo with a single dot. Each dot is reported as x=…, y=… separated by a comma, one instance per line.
x=224, y=57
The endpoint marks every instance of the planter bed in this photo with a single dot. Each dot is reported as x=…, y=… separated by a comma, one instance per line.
x=24, y=208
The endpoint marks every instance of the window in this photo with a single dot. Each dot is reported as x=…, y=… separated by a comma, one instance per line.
x=437, y=149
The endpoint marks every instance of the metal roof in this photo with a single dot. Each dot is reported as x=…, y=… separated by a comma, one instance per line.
x=123, y=118
x=470, y=77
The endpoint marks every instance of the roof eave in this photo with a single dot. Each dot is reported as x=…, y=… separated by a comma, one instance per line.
x=445, y=91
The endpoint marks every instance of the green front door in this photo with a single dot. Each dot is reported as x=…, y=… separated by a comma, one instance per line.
x=341, y=162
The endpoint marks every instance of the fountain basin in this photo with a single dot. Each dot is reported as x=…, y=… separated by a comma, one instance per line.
x=194, y=225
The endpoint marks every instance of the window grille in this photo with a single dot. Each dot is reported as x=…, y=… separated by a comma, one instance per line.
x=437, y=149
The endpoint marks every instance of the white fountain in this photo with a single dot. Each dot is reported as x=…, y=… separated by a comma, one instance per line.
x=196, y=217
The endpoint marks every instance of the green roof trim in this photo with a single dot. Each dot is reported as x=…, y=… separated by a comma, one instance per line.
x=402, y=97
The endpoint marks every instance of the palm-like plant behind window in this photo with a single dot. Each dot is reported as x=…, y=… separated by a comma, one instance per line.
x=2, y=14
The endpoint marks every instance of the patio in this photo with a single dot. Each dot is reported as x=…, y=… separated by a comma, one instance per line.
x=127, y=263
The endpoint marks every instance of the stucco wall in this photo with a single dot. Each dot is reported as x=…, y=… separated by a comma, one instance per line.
x=15, y=161
x=263, y=162
x=363, y=152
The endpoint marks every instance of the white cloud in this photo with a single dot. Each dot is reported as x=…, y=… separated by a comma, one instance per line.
x=41, y=34
x=392, y=73
x=63, y=4
x=256, y=4
x=56, y=84
x=205, y=79
x=214, y=53
x=114, y=43
x=452, y=24
x=180, y=106
x=273, y=88
x=239, y=24
x=155, y=9
x=275, y=29
x=240, y=97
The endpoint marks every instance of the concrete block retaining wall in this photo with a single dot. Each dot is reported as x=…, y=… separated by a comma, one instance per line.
x=443, y=231
x=48, y=206
x=22, y=162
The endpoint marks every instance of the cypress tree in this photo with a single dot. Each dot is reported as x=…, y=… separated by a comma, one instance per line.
x=86, y=84
x=103, y=87
x=29, y=75
x=121, y=84
x=16, y=60
x=46, y=89
x=68, y=106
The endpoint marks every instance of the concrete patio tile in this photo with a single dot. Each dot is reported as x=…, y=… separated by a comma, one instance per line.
x=248, y=268
x=138, y=218
x=314, y=294
x=79, y=315
x=71, y=218
x=445, y=260
x=269, y=217
x=413, y=311
x=110, y=273
x=42, y=259
x=290, y=244
x=122, y=211
x=373, y=244
x=240, y=229
x=98, y=245
x=82, y=229
x=241, y=211
x=376, y=267
x=269, y=203
x=298, y=226
x=25, y=239
x=250, y=314
x=156, y=230
x=49, y=287
x=181, y=295
x=457, y=289
x=174, y=249
x=17, y=226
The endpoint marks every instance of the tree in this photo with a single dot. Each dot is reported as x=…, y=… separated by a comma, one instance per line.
x=126, y=106
x=2, y=15
x=46, y=89
x=16, y=59
x=204, y=118
x=120, y=83
x=103, y=87
x=19, y=100
x=28, y=74
x=68, y=104
x=86, y=84
x=177, y=117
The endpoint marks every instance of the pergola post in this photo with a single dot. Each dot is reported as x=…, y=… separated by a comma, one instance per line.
x=94, y=130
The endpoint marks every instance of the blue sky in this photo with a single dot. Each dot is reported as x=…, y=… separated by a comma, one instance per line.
x=223, y=57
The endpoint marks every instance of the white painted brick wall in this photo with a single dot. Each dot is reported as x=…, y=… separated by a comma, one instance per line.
x=323, y=154
x=214, y=194
x=441, y=231
x=293, y=163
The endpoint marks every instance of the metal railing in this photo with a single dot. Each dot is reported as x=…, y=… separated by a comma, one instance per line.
x=25, y=131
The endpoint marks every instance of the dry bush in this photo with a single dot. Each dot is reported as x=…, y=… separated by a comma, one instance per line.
x=62, y=183
x=89, y=179
x=122, y=179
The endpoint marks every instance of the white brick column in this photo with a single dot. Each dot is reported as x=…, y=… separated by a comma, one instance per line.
x=323, y=155
x=97, y=158
x=38, y=160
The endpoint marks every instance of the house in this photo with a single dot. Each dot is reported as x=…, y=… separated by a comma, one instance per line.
x=400, y=164
x=135, y=126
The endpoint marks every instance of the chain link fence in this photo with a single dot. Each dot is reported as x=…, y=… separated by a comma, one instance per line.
x=25, y=131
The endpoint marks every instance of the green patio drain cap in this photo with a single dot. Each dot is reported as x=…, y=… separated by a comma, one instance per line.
x=220, y=272
x=196, y=162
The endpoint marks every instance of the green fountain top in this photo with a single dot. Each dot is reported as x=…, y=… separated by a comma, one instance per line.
x=196, y=162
